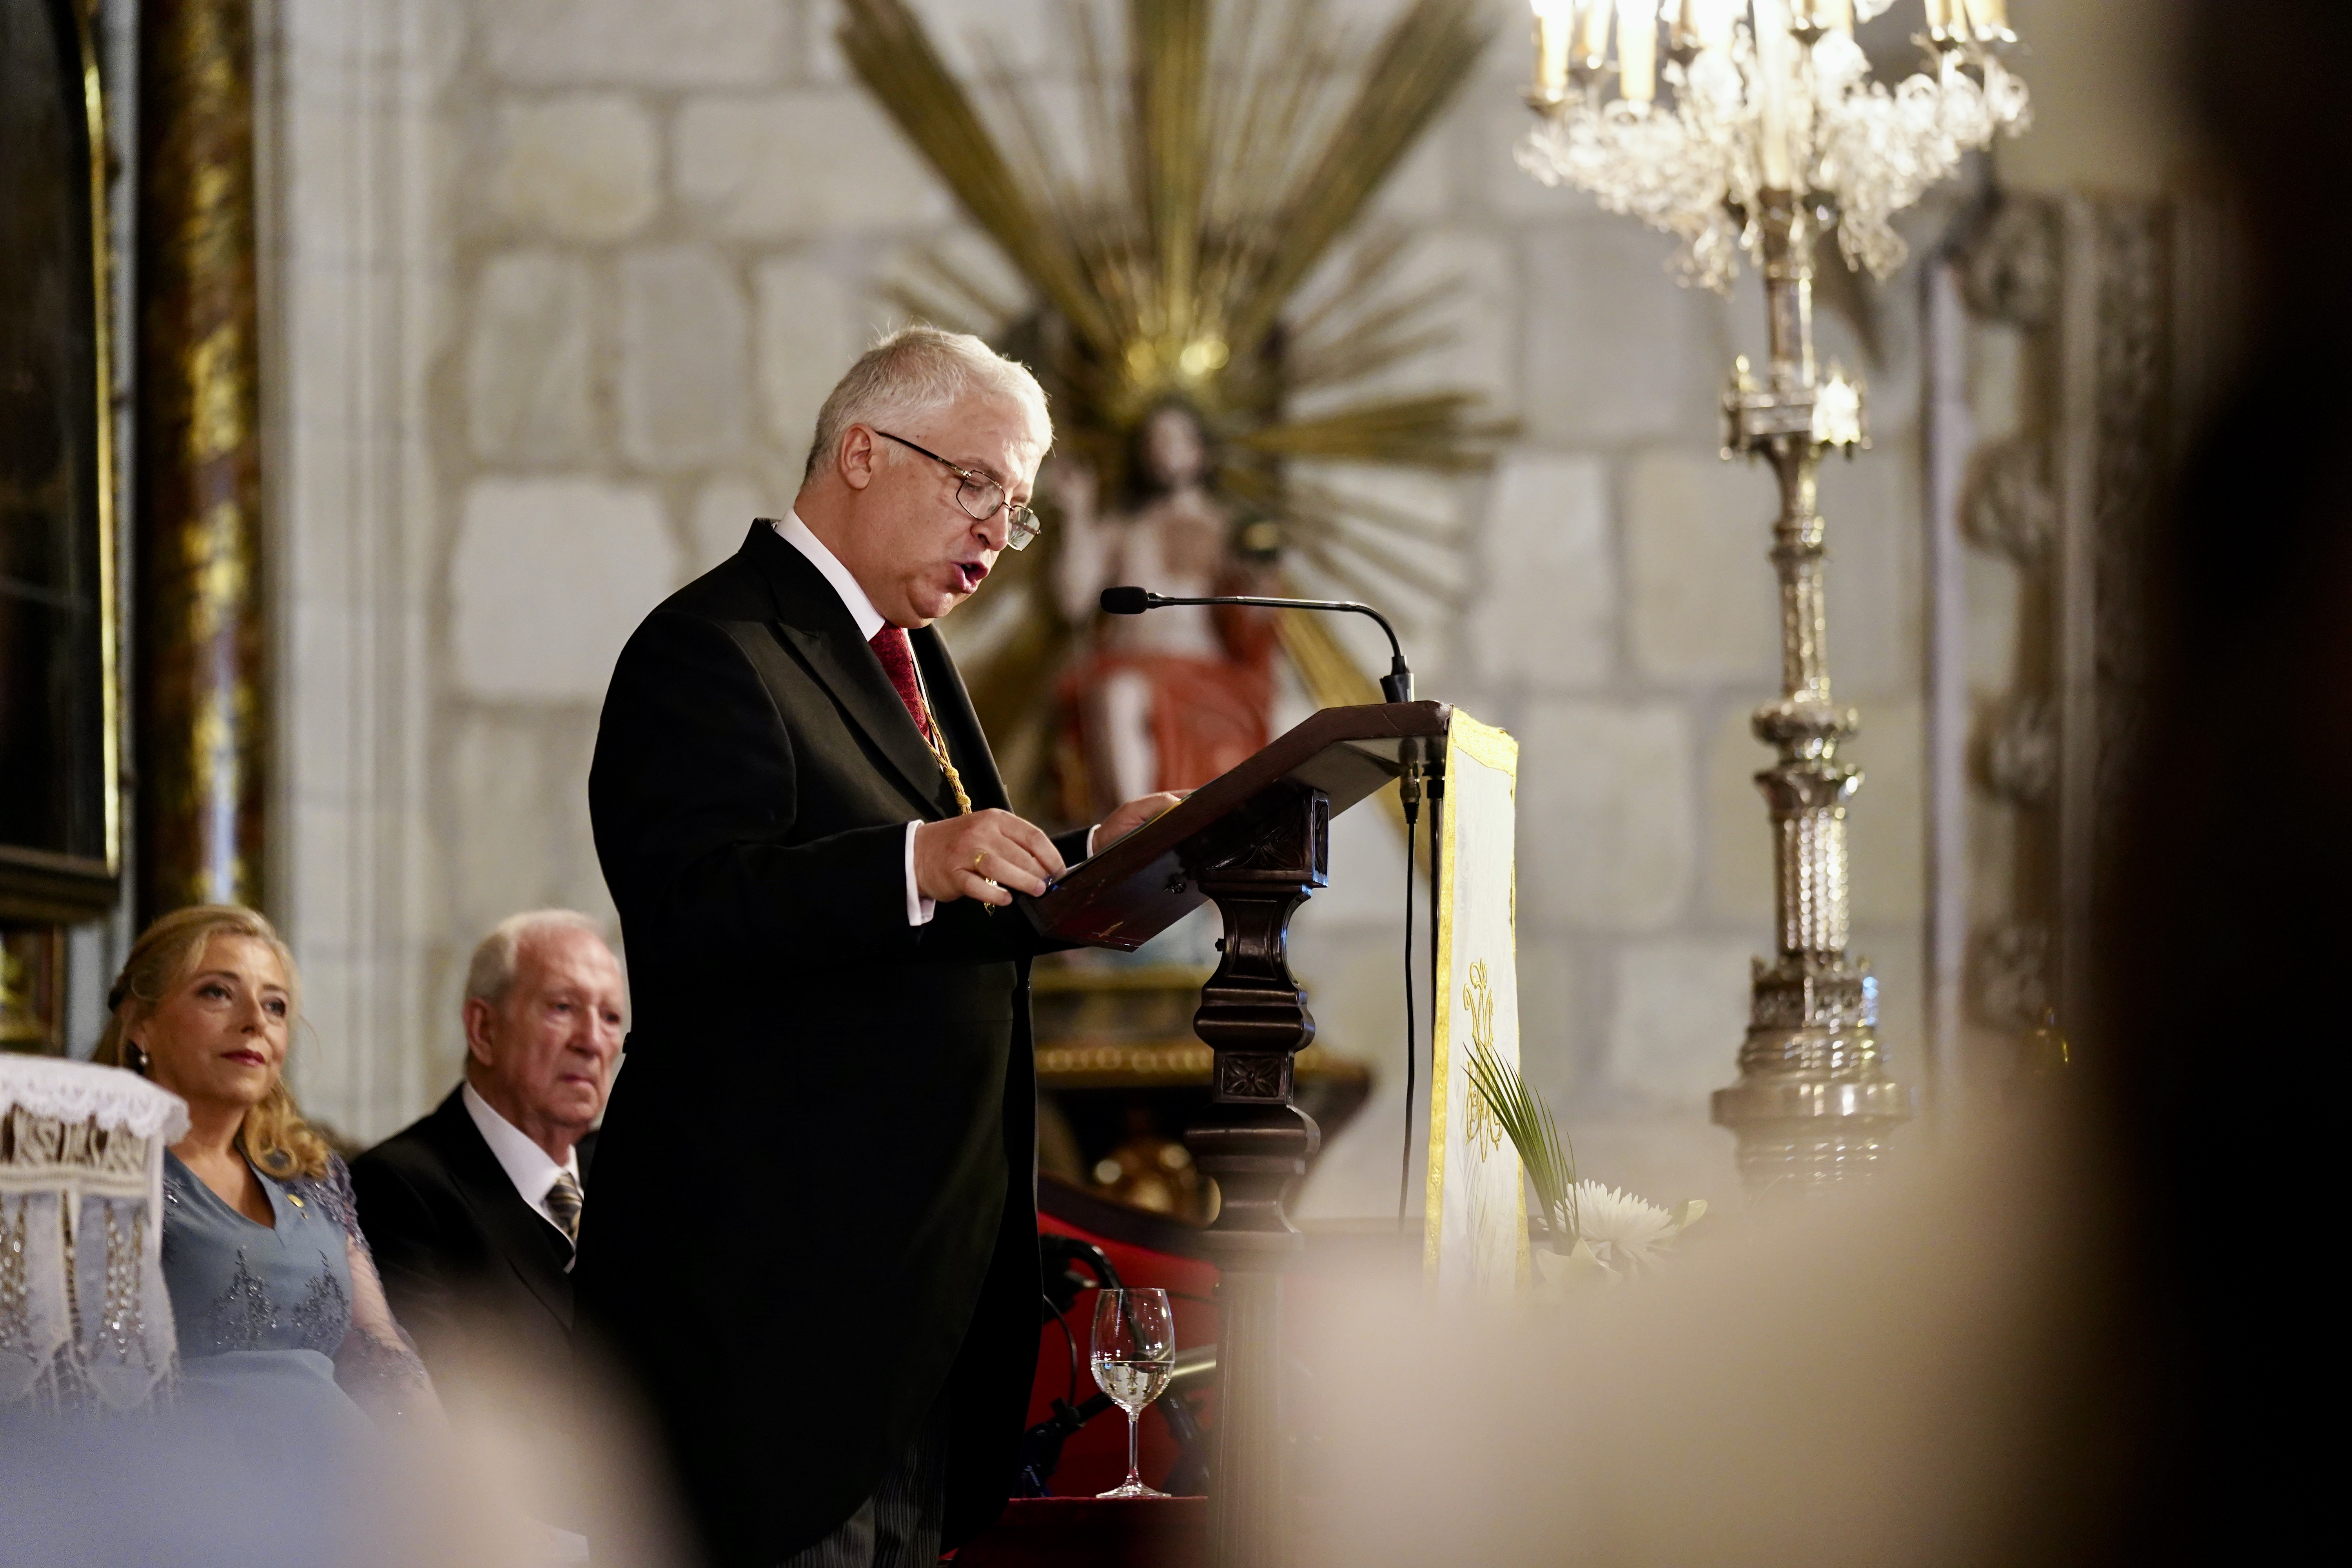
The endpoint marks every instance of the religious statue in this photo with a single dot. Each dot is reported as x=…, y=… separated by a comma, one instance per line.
x=1173, y=698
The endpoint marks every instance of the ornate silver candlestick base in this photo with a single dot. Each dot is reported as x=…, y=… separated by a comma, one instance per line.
x=1813, y=1105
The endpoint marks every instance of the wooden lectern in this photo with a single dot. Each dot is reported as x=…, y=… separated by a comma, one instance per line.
x=1256, y=842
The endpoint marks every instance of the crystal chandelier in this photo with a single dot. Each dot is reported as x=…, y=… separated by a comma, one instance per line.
x=1773, y=97
x=1773, y=135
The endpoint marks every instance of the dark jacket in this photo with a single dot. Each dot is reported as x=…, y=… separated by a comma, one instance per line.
x=475, y=1273
x=816, y=1206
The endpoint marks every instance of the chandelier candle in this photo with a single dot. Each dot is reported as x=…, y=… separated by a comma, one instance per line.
x=1637, y=50
x=1552, y=28
x=1770, y=134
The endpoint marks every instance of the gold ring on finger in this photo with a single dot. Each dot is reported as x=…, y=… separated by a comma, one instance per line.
x=978, y=858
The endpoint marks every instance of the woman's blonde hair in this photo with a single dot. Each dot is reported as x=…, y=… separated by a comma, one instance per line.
x=164, y=958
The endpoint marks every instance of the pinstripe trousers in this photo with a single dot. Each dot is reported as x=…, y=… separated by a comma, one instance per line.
x=899, y=1526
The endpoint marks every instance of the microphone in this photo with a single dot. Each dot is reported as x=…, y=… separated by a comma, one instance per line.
x=1396, y=686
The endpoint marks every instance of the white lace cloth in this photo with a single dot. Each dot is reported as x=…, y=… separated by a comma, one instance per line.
x=85, y=1321
x=61, y=1090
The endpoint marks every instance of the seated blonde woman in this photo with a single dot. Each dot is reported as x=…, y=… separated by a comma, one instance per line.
x=275, y=1294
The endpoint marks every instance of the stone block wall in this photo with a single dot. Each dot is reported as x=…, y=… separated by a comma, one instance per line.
x=660, y=217
x=656, y=229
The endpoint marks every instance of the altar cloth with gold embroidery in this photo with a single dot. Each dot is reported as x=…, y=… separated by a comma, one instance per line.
x=1475, y=1221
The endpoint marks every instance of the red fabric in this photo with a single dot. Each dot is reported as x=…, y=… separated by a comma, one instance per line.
x=1208, y=716
x=1071, y=1532
x=898, y=656
x=1095, y=1459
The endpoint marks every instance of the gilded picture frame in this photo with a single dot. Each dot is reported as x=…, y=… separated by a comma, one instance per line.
x=60, y=695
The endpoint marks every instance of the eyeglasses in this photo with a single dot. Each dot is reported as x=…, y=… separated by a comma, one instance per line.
x=981, y=497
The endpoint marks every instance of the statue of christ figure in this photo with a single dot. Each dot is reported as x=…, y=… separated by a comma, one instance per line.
x=1172, y=699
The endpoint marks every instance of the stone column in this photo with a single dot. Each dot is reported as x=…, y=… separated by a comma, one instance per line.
x=200, y=681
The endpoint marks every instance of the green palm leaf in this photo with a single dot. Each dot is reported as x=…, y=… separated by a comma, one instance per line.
x=1548, y=1159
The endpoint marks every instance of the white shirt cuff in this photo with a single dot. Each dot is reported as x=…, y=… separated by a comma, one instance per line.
x=920, y=909
x=1090, y=839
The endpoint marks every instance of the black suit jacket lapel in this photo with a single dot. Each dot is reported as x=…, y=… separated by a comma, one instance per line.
x=520, y=1233
x=816, y=625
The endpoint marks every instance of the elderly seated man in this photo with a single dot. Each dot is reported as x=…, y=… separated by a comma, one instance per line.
x=474, y=1212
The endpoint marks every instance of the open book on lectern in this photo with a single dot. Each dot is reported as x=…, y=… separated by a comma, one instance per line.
x=1130, y=892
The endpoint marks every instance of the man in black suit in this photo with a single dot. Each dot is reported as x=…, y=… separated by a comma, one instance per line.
x=814, y=1239
x=473, y=1212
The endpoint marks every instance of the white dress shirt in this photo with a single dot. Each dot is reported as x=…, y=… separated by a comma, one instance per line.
x=524, y=1161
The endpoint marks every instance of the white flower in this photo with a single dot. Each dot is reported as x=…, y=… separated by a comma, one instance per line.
x=1627, y=1233
x=1558, y=1276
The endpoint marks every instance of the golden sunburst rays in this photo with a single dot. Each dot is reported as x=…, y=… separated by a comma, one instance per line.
x=1167, y=212
x=888, y=48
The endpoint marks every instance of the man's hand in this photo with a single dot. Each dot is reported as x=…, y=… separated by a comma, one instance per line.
x=1134, y=814
x=982, y=856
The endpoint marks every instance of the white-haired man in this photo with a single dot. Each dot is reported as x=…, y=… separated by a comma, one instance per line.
x=814, y=1239
x=473, y=1213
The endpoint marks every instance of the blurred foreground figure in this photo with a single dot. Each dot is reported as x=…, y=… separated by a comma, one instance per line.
x=814, y=1239
x=2094, y=1336
x=474, y=1212
x=282, y=1322
x=1898, y=1380
x=2232, y=904
x=255, y=1483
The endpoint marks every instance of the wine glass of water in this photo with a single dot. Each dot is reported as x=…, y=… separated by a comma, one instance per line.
x=1135, y=1350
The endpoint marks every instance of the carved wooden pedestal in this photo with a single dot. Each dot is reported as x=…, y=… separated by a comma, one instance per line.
x=1255, y=1144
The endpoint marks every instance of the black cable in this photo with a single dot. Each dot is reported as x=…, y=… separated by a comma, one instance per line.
x=1437, y=997
x=1073, y=1340
x=1411, y=1051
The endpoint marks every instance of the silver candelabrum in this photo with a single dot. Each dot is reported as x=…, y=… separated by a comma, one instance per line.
x=1768, y=134
x=1813, y=1105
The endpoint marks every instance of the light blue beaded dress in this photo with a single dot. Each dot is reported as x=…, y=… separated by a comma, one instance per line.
x=266, y=1312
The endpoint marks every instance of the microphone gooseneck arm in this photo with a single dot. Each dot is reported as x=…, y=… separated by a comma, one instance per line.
x=1396, y=686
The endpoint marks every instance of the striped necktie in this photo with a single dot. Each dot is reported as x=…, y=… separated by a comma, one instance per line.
x=563, y=1207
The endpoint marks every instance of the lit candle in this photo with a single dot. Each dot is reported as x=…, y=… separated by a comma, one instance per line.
x=1637, y=49
x=1773, y=49
x=1837, y=14
x=1555, y=19
x=1705, y=24
x=1940, y=18
x=1592, y=37
x=1991, y=18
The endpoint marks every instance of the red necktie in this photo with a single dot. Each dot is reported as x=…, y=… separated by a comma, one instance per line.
x=898, y=656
